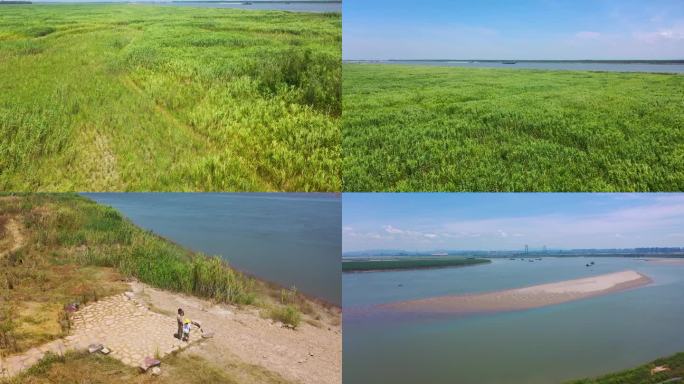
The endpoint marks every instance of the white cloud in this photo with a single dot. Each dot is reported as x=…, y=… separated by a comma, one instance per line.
x=671, y=34
x=655, y=220
x=393, y=230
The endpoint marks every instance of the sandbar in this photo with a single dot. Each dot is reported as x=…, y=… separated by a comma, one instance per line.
x=524, y=298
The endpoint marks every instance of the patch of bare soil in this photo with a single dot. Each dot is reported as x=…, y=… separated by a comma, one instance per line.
x=310, y=354
x=12, y=237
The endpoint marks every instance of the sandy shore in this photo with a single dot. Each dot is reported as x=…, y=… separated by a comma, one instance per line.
x=524, y=298
x=308, y=355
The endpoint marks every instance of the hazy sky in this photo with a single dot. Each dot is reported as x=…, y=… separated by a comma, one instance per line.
x=503, y=221
x=513, y=29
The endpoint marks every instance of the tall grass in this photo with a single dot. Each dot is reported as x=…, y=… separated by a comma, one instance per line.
x=423, y=128
x=8, y=338
x=131, y=97
x=104, y=238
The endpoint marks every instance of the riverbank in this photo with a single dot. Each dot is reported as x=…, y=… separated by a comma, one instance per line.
x=524, y=298
x=664, y=370
x=402, y=263
x=76, y=251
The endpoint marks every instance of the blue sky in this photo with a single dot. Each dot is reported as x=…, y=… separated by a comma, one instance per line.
x=513, y=29
x=502, y=221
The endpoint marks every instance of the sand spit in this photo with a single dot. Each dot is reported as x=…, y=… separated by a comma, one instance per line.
x=524, y=298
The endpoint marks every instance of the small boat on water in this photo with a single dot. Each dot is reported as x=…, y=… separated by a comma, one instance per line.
x=509, y=62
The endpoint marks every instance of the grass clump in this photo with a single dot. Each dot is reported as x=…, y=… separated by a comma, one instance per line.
x=40, y=31
x=83, y=367
x=425, y=128
x=175, y=99
x=288, y=314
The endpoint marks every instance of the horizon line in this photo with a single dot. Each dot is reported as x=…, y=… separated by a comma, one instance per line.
x=511, y=250
x=485, y=60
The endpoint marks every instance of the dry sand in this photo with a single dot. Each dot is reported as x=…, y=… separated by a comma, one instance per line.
x=524, y=298
x=142, y=323
x=308, y=355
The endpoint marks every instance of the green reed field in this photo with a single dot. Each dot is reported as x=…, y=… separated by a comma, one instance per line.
x=135, y=97
x=422, y=128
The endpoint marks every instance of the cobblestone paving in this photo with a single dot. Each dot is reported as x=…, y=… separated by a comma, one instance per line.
x=120, y=323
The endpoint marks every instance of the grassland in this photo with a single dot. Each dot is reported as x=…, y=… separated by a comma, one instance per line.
x=75, y=367
x=76, y=250
x=135, y=97
x=642, y=374
x=423, y=128
x=387, y=264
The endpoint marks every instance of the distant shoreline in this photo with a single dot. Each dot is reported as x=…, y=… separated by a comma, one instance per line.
x=361, y=265
x=635, y=61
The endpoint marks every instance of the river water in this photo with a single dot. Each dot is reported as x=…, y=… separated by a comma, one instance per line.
x=256, y=5
x=289, y=239
x=293, y=6
x=554, y=66
x=546, y=345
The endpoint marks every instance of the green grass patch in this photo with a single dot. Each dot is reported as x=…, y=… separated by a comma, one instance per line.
x=385, y=264
x=288, y=314
x=128, y=97
x=83, y=367
x=642, y=374
x=424, y=128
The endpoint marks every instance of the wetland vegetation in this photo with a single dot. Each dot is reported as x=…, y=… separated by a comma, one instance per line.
x=64, y=248
x=141, y=97
x=430, y=128
x=672, y=374
x=396, y=263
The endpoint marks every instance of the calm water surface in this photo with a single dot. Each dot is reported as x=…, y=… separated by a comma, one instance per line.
x=546, y=345
x=606, y=67
x=293, y=6
x=289, y=239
